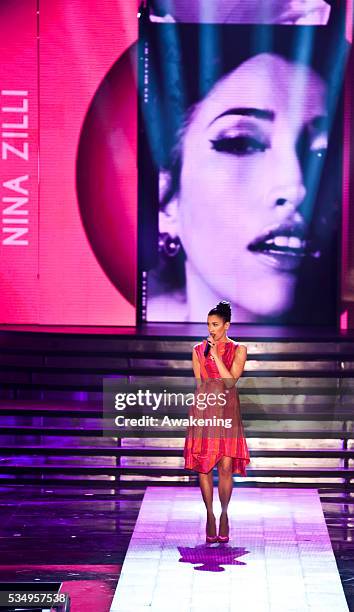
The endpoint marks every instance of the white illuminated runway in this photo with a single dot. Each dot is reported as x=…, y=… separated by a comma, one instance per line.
x=279, y=557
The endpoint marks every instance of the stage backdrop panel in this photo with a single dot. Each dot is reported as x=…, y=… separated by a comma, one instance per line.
x=56, y=55
x=241, y=176
x=19, y=281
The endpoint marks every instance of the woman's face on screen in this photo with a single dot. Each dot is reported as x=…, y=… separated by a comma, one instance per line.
x=243, y=203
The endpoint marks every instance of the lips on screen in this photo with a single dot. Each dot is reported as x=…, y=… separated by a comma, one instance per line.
x=244, y=148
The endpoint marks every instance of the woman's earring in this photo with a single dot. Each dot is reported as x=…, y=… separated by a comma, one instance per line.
x=168, y=245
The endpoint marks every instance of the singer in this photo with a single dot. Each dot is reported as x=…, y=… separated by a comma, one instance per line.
x=218, y=363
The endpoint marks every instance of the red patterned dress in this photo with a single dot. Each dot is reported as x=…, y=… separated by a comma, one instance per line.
x=205, y=444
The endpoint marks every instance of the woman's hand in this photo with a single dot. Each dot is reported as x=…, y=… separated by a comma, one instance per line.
x=213, y=347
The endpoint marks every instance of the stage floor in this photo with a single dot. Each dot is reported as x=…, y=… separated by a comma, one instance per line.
x=279, y=558
x=80, y=537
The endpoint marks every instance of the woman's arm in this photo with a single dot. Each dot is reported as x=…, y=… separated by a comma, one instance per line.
x=237, y=367
x=238, y=364
x=196, y=366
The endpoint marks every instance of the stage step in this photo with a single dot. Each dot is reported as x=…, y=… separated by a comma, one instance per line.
x=159, y=471
x=164, y=451
x=329, y=410
x=286, y=366
x=87, y=381
x=40, y=430
x=111, y=484
x=134, y=495
x=295, y=413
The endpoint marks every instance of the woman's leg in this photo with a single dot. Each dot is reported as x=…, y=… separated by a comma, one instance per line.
x=225, y=486
x=206, y=487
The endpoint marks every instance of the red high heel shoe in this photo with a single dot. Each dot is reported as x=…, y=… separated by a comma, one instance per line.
x=223, y=539
x=210, y=539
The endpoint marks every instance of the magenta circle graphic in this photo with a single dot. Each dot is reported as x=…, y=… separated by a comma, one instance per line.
x=106, y=175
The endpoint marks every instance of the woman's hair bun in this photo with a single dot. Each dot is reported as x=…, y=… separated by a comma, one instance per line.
x=223, y=309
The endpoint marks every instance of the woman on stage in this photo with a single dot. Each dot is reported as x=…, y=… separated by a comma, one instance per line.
x=221, y=443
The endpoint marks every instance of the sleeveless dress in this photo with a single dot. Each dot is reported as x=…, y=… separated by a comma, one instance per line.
x=207, y=442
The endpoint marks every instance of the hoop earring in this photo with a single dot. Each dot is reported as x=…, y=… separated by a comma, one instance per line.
x=168, y=245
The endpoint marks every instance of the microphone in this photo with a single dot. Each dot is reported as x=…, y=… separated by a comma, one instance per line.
x=207, y=349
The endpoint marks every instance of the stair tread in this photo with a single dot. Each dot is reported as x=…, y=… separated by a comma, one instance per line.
x=334, y=472
x=168, y=451
x=98, y=432
x=287, y=412
x=39, y=372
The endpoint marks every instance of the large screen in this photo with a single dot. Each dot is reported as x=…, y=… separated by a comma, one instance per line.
x=241, y=163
